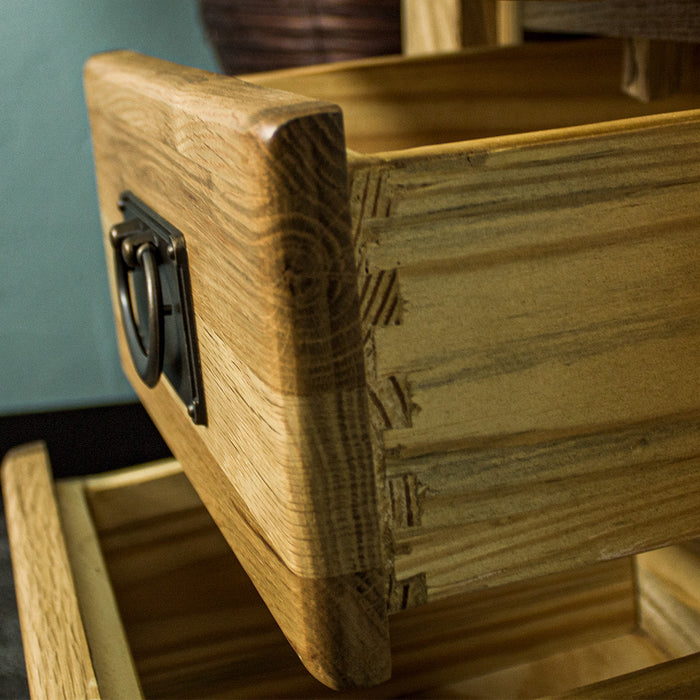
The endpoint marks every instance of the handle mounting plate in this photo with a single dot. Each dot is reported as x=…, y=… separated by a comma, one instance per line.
x=180, y=353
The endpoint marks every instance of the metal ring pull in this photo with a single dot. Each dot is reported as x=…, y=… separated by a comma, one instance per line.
x=154, y=300
x=126, y=238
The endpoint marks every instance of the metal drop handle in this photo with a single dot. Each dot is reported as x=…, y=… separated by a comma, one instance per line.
x=134, y=248
x=157, y=314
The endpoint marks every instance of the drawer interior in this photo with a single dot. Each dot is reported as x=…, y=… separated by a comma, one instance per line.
x=197, y=628
x=397, y=103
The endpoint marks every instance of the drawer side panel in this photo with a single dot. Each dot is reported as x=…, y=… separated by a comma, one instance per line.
x=532, y=340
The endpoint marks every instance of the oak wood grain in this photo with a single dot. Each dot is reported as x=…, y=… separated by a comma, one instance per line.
x=337, y=625
x=56, y=651
x=256, y=181
x=198, y=628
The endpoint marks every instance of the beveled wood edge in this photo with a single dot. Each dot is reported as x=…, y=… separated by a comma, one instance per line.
x=239, y=106
x=386, y=70
x=330, y=411
x=56, y=651
x=109, y=648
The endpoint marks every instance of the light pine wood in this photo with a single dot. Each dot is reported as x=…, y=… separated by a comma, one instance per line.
x=284, y=463
x=109, y=650
x=529, y=308
x=432, y=27
x=672, y=20
x=631, y=653
x=394, y=103
x=489, y=631
x=446, y=25
x=660, y=53
x=56, y=652
x=509, y=22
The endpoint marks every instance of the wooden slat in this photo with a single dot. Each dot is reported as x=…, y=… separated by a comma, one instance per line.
x=509, y=22
x=431, y=27
x=109, y=649
x=56, y=651
x=256, y=181
x=551, y=342
x=519, y=511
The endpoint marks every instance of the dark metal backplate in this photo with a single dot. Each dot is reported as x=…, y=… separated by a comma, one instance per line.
x=181, y=355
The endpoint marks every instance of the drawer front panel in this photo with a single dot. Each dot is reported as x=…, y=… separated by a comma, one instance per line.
x=255, y=181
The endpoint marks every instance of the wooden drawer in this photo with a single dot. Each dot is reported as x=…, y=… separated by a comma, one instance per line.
x=427, y=369
x=125, y=585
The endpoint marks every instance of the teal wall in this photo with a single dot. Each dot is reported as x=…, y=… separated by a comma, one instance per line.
x=57, y=343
